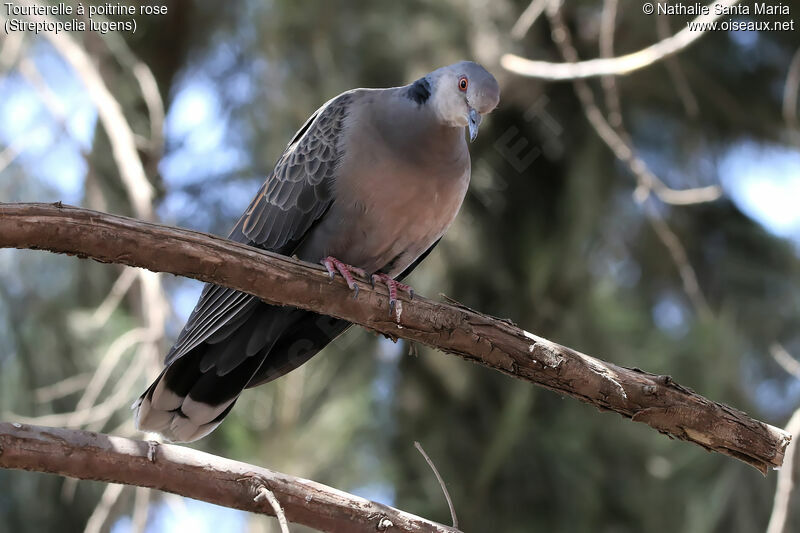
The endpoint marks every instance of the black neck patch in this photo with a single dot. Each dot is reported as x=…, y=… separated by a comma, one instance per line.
x=419, y=91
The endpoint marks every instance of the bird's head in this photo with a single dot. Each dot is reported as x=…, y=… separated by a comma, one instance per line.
x=462, y=93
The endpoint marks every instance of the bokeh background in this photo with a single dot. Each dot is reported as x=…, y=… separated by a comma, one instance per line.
x=556, y=233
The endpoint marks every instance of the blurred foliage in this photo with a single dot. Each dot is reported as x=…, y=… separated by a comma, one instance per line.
x=559, y=245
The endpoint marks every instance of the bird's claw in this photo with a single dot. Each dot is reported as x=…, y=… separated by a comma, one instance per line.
x=333, y=265
x=393, y=286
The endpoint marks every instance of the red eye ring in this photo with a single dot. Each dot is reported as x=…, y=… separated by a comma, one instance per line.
x=463, y=82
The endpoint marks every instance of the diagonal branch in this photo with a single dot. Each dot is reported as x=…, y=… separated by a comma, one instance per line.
x=109, y=111
x=782, y=356
x=198, y=475
x=436, y=473
x=648, y=181
x=654, y=400
x=527, y=18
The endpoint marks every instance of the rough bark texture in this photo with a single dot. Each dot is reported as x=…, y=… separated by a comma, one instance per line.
x=643, y=397
x=198, y=475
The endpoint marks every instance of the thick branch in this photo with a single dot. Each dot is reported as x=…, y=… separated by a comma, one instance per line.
x=198, y=475
x=654, y=400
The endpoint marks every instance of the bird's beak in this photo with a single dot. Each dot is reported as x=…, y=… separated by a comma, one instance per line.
x=474, y=119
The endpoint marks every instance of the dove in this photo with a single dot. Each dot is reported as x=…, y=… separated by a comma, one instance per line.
x=367, y=187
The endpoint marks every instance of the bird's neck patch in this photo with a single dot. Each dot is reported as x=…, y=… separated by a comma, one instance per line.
x=419, y=91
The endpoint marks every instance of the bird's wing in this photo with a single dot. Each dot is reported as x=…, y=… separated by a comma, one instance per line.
x=300, y=188
x=293, y=198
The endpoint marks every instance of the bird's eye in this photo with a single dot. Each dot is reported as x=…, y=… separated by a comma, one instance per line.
x=462, y=83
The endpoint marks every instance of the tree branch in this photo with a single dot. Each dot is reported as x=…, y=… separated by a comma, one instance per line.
x=617, y=66
x=643, y=397
x=109, y=111
x=787, y=481
x=198, y=475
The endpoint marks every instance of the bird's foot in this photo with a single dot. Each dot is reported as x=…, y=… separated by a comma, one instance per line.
x=393, y=287
x=333, y=265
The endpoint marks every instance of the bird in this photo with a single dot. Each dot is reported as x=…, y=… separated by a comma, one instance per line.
x=367, y=187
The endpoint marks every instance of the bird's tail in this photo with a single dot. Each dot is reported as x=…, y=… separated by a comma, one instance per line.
x=198, y=388
x=185, y=403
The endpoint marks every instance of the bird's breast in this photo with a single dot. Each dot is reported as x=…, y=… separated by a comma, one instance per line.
x=388, y=210
x=393, y=210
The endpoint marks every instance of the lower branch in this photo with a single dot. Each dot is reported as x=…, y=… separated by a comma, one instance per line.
x=643, y=397
x=199, y=475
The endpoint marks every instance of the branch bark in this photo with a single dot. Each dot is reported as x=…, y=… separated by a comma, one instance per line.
x=199, y=475
x=654, y=400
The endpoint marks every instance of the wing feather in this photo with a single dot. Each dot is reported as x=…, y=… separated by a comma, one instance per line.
x=295, y=195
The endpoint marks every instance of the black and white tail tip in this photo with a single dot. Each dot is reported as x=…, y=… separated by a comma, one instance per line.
x=177, y=418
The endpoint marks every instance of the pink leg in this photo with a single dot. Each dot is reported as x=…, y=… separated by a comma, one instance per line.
x=333, y=265
x=393, y=287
